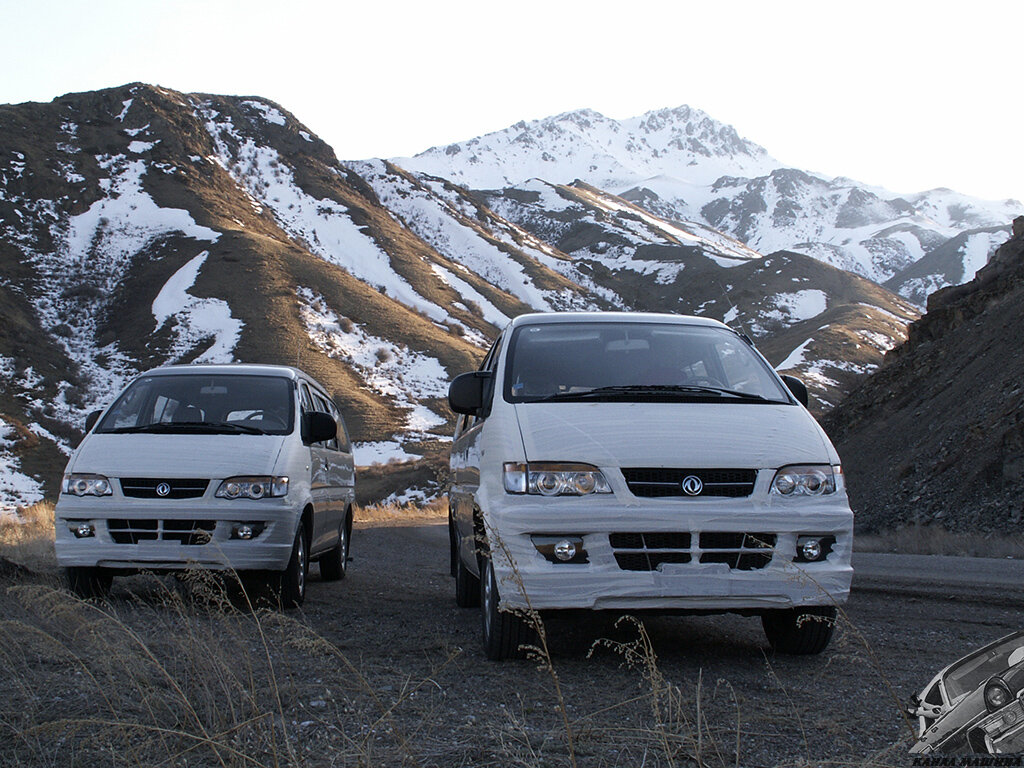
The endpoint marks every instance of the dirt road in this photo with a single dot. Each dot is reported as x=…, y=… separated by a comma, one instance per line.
x=383, y=669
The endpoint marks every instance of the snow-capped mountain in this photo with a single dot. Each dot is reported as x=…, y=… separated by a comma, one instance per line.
x=681, y=164
x=141, y=226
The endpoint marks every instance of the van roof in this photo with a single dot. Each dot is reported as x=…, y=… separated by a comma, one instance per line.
x=614, y=317
x=235, y=369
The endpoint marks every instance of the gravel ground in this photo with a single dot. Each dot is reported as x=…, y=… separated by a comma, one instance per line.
x=383, y=669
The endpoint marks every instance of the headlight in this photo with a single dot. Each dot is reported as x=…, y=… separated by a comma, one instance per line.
x=252, y=487
x=554, y=479
x=997, y=695
x=807, y=480
x=86, y=485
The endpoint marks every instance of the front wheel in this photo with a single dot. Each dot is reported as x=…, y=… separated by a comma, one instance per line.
x=292, y=581
x=87, y=582
x=800, y=631
x=505, y=634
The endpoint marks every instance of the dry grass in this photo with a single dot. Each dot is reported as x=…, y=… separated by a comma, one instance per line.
x=935, y=540
x=26, y=538
x=377, y=515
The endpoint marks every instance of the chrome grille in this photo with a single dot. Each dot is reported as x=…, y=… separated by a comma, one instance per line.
x=188, y=532
x=648, y=551
x=177, y=488
x=661, y=482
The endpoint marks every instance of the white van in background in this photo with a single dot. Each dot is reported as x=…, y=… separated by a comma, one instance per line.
x=633, y=462
x=244, y=467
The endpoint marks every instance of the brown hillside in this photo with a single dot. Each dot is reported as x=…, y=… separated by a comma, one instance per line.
x=936, y=436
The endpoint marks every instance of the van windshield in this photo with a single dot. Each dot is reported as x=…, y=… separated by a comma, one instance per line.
x=192, y=403
x=636, y=362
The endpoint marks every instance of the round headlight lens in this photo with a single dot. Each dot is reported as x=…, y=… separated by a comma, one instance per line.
x=256, y=491
x=785, y=484
x=549, y=484
x=80, y=487
x=585, y=482
x=814, y=483
x=232, y=490
x=996, y=696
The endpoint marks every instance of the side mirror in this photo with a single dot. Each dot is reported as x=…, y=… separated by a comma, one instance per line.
x=466, y=393
x=91, y=419
x=798, y=389
x=318, y=427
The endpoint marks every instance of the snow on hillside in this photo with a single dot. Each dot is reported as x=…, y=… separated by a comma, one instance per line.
x=92, y=253
x=616, y=230
x=196, y=319
x=406, y=377
x=322, y=225
x=16, y=488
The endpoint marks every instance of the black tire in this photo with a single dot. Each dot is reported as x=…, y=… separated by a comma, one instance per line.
x=334, y=564
x=291, y=582
x=467, y=586
x=88, y=582
x=800, y=631
x=505, y=634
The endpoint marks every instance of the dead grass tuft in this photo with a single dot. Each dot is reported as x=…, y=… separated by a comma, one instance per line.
x=26, y=537
x=935, y=540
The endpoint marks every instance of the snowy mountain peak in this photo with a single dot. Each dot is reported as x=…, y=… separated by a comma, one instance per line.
x=683, y=142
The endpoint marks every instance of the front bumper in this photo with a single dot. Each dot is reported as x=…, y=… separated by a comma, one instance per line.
x=528, y=580
x=168, y=542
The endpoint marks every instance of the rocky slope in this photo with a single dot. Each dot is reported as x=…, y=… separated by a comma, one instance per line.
x=683, y=165
x=141, y=226
x=936, y=436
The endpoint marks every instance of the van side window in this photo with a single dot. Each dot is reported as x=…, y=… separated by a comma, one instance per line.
x=344, y=443
x=320, y=403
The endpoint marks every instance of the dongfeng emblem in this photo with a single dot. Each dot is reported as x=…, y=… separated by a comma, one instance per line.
x=164, y=488
x=692, y=485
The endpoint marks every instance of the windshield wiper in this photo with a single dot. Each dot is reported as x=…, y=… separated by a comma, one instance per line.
x=188, y=426
x=653, y=390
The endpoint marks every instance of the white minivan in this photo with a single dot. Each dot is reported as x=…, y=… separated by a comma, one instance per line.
x=633, y=462
x=243, y=467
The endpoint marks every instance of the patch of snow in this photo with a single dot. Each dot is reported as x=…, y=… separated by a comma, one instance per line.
x=795, y=358
x=491, y=313
x=383, y=452
x=306, y=136
x=270, y=114
x=138, y=147
x=197, y=319
x=126, y=104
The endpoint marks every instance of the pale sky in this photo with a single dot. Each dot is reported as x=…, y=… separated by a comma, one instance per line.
x=902, y=94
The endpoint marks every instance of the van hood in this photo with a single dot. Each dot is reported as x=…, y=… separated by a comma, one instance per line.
x=733, y=435
x=207, y=456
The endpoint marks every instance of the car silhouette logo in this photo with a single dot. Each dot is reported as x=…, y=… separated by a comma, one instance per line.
x=692, y=485
x=163, y=489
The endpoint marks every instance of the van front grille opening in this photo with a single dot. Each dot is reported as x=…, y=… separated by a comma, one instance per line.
x=649, y=550
x=188, y=532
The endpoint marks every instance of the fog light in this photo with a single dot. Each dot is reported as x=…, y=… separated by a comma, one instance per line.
x=810, y=549
x=84, y=530
x=565, y=550
x=561, y=547
x=246, y=531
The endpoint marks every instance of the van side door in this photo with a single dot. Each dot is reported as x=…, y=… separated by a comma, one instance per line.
x=465, y=469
